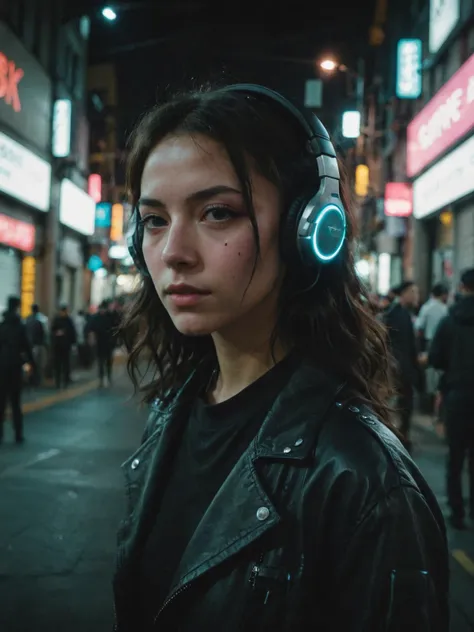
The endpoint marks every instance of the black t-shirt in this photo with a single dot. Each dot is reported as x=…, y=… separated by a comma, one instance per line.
x=214, y=439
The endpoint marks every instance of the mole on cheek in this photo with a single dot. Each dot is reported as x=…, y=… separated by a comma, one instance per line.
x=239, y=254
x=225, y=244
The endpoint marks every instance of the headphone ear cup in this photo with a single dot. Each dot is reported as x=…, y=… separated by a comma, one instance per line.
x=288, y=234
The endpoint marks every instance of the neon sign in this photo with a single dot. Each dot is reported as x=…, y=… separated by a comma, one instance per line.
x=10, y=77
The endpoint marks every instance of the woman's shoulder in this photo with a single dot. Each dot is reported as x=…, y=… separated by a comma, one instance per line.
x=367, y=451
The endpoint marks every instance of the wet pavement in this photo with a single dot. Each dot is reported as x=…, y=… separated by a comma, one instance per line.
x=62, y=497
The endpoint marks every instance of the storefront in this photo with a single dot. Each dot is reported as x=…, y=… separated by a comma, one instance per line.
x=443, y=185
x=444, y=202
x=77, y=216
x=25, y=172
x=17, y=239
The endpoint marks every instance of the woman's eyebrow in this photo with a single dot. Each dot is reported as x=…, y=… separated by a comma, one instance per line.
x=197, y=196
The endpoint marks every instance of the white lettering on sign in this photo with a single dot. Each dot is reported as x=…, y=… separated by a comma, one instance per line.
x=409, y=83
x=398, y=208
x=470, y=90
x=442, y=120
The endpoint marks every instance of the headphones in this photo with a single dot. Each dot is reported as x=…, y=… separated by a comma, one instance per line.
x=315, y=224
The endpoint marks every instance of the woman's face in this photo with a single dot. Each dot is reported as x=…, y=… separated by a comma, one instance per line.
x=198, y=243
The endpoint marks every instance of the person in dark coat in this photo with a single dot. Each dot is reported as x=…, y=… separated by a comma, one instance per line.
x=402, y=341
x=15, y=352
x=104, y=325
x=452, y=352
x=63, y=337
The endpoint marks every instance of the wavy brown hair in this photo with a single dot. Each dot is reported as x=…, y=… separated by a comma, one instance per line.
x=332, y=322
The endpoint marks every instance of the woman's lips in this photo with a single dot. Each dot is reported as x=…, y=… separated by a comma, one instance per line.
x=187, y=299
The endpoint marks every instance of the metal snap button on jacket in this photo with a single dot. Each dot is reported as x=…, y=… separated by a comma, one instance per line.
x=286, y=450
x=135, y=464
x=263, y=513
x=298, y=442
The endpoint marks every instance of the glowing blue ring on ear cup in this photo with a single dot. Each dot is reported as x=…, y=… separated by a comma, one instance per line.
x=338, y=226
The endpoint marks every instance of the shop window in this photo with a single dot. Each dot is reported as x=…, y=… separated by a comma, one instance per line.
x=37, y=20
x=439, y=75
x=17, y=17
x=453, y=59
x=470, y=41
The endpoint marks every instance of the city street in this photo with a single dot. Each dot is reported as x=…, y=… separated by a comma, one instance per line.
x=62, y=497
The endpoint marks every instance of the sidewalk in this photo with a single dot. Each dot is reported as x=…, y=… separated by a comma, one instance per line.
x=83, y=380
x=430, y=452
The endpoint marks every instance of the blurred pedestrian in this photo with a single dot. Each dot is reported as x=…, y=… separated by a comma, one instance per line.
x=431, y=314
x=429, y=317
x=80, y=323
x=15, y=353
x=398, y=319
x=103, y=326
x=63, y=337
x=452, y=351
x=270, y=492
x=37, y=331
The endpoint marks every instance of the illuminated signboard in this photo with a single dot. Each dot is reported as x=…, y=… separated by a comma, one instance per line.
x=103, y=215
x=94, y=186
x=444, y=15
x=362, y=180
x=116, y=230
x=62, y=128
x=409, y=81
x=17, y=234
x=23, y=174
x=76, y=208
x=443, y=121
x=28, y=281
x=351, y=124
x=448, y=180
x=398, y=201
x=10, y=77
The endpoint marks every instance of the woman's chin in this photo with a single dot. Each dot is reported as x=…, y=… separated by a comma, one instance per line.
x=193, y=324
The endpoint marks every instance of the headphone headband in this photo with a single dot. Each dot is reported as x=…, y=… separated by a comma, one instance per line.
x=317, y=134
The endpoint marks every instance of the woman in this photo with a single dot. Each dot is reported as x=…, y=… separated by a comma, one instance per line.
x=267, y=494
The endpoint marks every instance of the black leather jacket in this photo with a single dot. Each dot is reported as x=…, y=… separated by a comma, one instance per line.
x=324, y=524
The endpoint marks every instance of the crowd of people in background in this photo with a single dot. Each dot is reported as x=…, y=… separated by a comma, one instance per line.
x=33, y=350
x=433, y=360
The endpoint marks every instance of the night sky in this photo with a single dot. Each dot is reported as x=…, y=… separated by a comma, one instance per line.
x=162, y=46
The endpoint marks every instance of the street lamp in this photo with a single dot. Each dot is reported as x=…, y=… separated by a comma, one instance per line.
x=329, y=65
x=109, y=14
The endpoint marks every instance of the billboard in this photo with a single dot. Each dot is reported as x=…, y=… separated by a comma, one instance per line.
x=444, y=120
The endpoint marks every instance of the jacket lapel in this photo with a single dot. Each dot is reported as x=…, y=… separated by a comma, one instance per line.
x=242, y=511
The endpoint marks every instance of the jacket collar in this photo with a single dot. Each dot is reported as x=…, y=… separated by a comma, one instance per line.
x=290, y=428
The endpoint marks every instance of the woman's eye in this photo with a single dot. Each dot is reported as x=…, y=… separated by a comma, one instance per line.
x=152, y=221
x=220, y=214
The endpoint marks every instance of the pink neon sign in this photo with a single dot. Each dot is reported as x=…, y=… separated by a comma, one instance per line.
x=445, y=119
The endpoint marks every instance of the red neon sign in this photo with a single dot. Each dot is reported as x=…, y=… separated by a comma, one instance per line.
x=398, y=200
x=10, y=77
x=444, y=120
x=17, y=234
x=95, y=187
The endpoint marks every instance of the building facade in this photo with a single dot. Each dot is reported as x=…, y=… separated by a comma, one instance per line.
x=25, y=163
x=424, y=61
x=43, y=155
